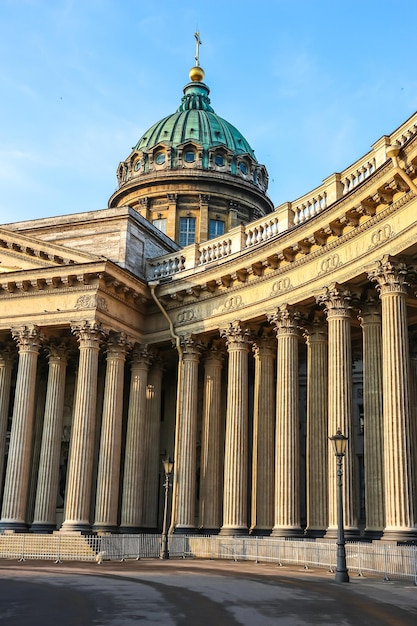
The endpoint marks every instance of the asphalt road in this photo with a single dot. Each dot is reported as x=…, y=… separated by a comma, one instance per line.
x=195, y=593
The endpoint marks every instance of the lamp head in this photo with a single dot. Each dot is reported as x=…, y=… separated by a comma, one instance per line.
x=339, y=443
x=168, y=465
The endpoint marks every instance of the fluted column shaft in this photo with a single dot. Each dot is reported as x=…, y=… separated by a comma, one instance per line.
x=316, y=445
x=18, y=466
x=132, y=499
x=41, y=386
x=337, y=302
x=287, y=438
x=236, y=439
x=6, y=368
x=263, y=483
x=107, y=494
x=373, y=432
x=186, y=439
x=400, y=514
x=81, y=453
x=152, y=446
x=211, y=458
x=48, y=474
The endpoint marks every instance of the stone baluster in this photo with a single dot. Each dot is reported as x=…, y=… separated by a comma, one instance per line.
x=7, y=358
x=211, y=445
x=81, y=453
x=18, y=466
x=373, y=433
x=316, y=445
x=152, y=446
x=236, y=440
x=336, y=300
x=185, y=467
x=132, y=500
x=107, y=494
x=48, y=474
x=287, y=439
x=263, y=483
x=400, y=504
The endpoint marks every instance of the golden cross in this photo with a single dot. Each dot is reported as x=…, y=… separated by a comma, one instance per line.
x=198, y=43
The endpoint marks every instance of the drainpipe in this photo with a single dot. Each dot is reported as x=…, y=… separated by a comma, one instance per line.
x=392, y=153
x=153, y=284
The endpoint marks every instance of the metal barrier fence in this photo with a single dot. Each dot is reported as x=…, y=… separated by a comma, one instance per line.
x=387, y=560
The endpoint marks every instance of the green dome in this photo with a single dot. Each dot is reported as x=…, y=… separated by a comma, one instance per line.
x=195, y=120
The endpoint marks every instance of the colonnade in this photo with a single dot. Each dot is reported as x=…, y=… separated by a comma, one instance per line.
x=249, y=480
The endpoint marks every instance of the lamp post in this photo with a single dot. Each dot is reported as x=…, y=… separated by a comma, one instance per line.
x=339, y=446
x=168, y=467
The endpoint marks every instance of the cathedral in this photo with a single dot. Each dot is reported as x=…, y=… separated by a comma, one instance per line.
x=195, y=320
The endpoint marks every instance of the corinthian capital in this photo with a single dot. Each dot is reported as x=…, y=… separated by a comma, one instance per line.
x=336, y=299
x=389, y=276
x=236, y=333
x=88, y=334
x=285, y=319
x=27, y=338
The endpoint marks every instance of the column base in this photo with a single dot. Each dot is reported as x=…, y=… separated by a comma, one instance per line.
x=349, y=533
x=76, y=527
x=15, y=527
x=234, y=531
x=402, y=535
x=315, y=533
x=209, y=531
x=287, y=532
x=103, y=529
x=372, y=534
x=40, y=528
x=185, y=530
x=260, y=532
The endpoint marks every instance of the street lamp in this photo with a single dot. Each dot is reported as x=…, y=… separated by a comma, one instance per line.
x=168, y=467
x=339, y=446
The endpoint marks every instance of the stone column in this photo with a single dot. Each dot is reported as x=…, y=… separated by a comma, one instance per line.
x=7, y=358
x=400, y=513
x=48, y=474
x=107, y=494
x=317, y=446
x=413, y=400
x=18, y=465
x=370, y=318
x=81, y=453
x=263, y=483
x=235, y=488
x=152, y=447
x=40, y=400
x=287, y=439
x=185, y=465
x=336, y=300
x=133, y=480
x=211, y=478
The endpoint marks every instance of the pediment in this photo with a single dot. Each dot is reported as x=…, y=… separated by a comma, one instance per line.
x=19, y=252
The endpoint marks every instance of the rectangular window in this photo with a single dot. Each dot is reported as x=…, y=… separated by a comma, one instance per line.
x=161, y=224
x=216, y=228
x=187, y=231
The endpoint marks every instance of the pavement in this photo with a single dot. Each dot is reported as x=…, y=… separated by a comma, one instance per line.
x=196, y=593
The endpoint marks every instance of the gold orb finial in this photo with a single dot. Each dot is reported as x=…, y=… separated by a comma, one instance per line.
x=196, y=74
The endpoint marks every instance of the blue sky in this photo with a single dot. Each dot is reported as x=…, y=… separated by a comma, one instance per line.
x=312, y=84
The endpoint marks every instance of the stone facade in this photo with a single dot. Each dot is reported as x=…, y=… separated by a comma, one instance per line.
x=237, y=356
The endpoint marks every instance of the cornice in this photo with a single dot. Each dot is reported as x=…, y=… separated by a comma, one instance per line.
x=229, y=276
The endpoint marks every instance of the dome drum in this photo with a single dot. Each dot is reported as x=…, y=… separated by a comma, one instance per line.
x=193, y=153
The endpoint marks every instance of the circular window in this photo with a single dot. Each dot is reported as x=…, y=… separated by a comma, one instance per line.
x=219, y=160
x=160, y=158
x=189, y=156
x=243, y=168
